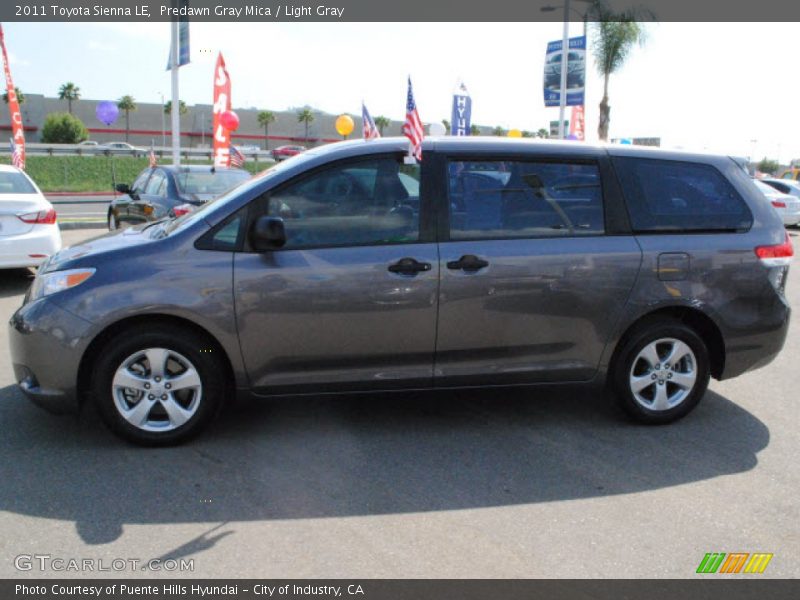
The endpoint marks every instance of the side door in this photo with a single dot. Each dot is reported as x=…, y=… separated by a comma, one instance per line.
x=536, y=266
x=349, y=302
x=124, y=203
x=146, y=206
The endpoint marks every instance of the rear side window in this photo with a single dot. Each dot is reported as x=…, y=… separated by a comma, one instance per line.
x=670, y=196
x=517, y=199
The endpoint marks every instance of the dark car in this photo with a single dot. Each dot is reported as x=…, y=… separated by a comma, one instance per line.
x=158, y=191
x=513, y=262
x=283, y=152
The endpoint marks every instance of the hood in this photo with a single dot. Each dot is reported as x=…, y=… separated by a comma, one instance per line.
x=109, y=242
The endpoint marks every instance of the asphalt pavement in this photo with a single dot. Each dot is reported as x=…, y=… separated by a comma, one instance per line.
x=81, y=211
x=544, y=483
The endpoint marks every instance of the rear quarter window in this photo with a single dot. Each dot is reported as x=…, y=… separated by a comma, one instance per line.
x=674, y=196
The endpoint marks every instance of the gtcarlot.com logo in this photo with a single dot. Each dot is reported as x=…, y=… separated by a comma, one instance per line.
x=47, y=562
x=734, y=562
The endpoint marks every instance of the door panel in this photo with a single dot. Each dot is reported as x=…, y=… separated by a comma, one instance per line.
x=336, y=318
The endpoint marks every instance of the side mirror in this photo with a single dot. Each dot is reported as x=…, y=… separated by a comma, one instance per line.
x=267, y=233
x=123, y=188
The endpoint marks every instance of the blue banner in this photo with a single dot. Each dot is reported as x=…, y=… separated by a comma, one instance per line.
x=576, y=72
x=461, y=118
x=183, y=38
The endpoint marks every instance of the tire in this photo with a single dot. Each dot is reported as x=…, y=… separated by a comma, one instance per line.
x=171, y=414
x=650, y=388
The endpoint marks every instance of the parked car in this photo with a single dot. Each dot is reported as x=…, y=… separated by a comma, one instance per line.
x=124, y=147
x=164, y=191
x=648, y=270
x=29, y=233
x=283, y=152
x=786, y=205
x=785, y=186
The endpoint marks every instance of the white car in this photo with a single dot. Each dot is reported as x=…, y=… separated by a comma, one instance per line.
x=788, y=207
x=28, y=230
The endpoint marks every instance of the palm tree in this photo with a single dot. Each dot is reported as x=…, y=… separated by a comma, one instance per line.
x=181, y=107
x=543, y=133
x=18, y=93
x=265, y=117
x=127, y=103
x=446, y=124
x=474, y=130
x=498, y=131
x=69, y=92
x=306, y=117
x=381, y=122
x=615, y=35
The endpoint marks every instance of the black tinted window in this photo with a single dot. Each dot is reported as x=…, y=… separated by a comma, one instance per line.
x=358, y=203
x=507, y=199
x=664, y=195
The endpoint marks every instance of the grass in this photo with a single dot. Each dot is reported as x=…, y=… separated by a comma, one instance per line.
x=93, y=173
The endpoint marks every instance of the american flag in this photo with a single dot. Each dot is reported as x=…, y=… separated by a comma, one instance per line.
x=370, y=132
x=237, y=158
x=412, y=128
x=16, y=155
x=152, y=156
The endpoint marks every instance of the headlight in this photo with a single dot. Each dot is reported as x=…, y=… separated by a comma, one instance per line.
x=58, y=281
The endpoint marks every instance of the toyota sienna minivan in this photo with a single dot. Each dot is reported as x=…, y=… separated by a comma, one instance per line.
x=352, y=268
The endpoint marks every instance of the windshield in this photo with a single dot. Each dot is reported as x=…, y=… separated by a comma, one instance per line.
x=12, y=182
x=209, y=182
x=219, y=202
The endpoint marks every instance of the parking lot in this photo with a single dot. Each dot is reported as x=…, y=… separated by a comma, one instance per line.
x=544, y=483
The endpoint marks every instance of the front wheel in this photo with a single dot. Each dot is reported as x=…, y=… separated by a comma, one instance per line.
x=661, y=373
x=158, y=387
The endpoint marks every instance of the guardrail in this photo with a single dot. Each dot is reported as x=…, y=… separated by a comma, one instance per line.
x=137, y=151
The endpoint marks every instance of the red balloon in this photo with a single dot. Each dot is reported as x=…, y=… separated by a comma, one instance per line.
x=229, y=120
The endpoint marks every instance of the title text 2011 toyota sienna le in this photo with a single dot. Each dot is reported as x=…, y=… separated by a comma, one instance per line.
x=491, y=262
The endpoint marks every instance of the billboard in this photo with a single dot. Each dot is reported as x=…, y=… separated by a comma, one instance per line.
x=576, y=72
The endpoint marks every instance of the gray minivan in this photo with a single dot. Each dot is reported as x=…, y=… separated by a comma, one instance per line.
x=351, y=268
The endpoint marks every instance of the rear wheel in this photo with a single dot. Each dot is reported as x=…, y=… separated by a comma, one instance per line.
x=662, y=372
x=158, y=387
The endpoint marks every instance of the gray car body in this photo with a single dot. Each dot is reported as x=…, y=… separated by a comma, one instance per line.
x=334, y=319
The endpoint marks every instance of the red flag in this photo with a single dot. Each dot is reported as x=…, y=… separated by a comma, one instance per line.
x=576, y=125
x=18, y=135
x=222, y=102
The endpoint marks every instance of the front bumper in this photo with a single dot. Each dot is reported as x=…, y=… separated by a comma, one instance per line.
x=47, y=343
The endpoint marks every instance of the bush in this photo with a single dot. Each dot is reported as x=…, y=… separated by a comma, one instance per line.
x=63, y=128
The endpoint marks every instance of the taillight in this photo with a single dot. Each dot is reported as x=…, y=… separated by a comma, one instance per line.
x=779, y=255
x=182, y=209
x=43, y=217
x=778, y=204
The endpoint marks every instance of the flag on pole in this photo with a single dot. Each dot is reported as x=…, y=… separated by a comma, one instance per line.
x=16, y=157
x=222, y=103
x=237, y=158
x=462, y=111
x=412, y=128
x=152, y=157
x=17, y=130
x=370, y=131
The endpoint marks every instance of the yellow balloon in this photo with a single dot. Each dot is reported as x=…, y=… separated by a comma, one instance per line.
x=514, y=133
x=345, y=125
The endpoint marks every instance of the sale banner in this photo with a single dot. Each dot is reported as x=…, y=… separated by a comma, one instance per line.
x=222, y=103
x=576, y=126
x=17, y=133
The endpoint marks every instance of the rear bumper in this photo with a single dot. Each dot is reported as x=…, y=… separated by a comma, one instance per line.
x=748, y=352
x=47, y=344
x=31, y=248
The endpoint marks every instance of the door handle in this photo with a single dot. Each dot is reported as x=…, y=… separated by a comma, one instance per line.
x=409, y=266
x=468, y=262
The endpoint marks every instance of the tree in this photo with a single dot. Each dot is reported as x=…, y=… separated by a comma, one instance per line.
x=127, y=103
x=63, y=128
x=474, y=130
x=69, y=92
x=19, y=94
x=527, y=134
x=615, y=35
x=265, y=117
x=767, y=165
x=181, y=107
x=446, y=124
x=306, y=117
x=381, y=122
x=498, y=131
x=543, y=133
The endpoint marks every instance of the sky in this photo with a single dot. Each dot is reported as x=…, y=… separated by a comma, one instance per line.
x=719, y=87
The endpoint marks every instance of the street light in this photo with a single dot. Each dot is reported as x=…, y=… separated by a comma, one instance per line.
x=562, y=104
